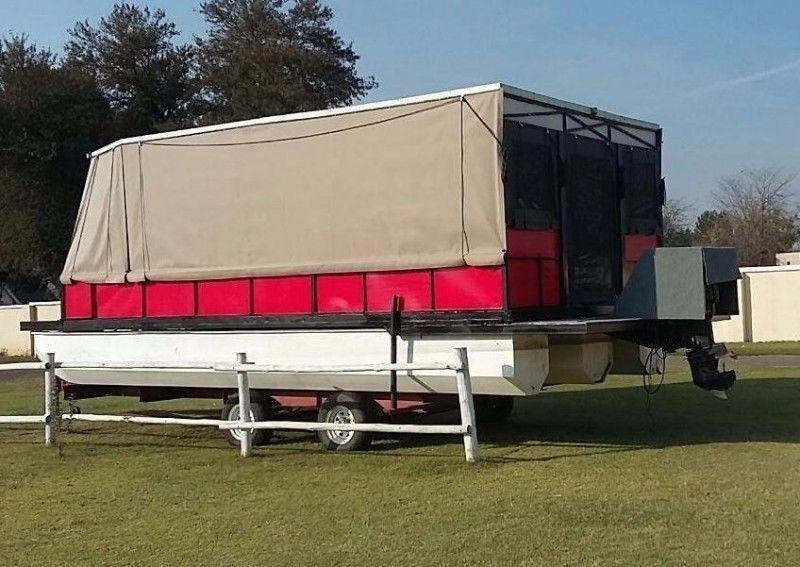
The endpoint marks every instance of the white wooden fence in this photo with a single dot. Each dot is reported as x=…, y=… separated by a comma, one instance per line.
x=459, y=366
x=50, y=398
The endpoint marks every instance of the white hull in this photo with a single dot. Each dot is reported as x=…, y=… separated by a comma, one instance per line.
x=499, y=365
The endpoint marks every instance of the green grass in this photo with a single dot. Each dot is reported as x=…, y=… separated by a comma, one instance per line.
x=766, y=348
x=6, y=358
x=578, y=477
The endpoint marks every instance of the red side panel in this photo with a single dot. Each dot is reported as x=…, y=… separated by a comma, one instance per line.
x=523, y=282
x=223, y=297
x=532, y=243
x=78, y=299
x=468, y=287
x=635, y=245
x=169, y=299
x=550, y=271
x=340, y=293
x=119, y=300
x=412, y=286
x=533, y=268
x=285, y=294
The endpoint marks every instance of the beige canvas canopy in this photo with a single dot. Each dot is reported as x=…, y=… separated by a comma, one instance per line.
x=414, y=183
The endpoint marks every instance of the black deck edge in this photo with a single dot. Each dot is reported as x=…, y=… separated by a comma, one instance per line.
x=472, y=322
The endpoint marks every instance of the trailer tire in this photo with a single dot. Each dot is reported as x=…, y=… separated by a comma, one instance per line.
x=258, y=412
x=493, y=409
x=344, y=407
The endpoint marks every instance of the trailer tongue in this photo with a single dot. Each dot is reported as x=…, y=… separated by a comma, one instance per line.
x=520, y=226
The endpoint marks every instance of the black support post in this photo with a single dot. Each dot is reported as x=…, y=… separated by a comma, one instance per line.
x=394, y=332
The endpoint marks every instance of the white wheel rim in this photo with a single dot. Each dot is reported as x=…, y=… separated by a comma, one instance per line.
x=233, y=415
x=340, y=414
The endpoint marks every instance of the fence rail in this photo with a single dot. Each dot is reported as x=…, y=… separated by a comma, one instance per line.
x=52, y=415
x=17, y=366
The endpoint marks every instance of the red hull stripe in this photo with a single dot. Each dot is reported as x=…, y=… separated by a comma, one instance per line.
x=636, y=244
x=453, y=288
x=291, y=294
x=468, y=287
x=412, y=286
x=534, y=268
x=533, y=244
x=340, y=293
x=78, y=301
x=524, y=289
x=170, y=299
x=119, y=300
x=224, y=297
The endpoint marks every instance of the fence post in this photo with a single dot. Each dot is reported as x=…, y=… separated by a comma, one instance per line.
x=50, y=398
x=466, y=405
x=244, y=405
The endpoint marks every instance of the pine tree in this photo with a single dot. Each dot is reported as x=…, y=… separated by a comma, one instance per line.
x=266, y=57
x=133, y=56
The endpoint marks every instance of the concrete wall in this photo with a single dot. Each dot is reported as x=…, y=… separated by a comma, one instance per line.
x=769, y=306
x=732, y=330
x=774, y=310
x=16, y=342
x=787, y=258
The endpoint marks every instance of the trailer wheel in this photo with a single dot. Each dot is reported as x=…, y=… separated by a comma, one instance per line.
x=493, y=409
x=344, y=408
x=258, y=412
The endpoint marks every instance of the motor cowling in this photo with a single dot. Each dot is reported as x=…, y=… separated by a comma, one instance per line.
x=704, y=364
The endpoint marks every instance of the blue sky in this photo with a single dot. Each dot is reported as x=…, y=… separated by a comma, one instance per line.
x=722, y=78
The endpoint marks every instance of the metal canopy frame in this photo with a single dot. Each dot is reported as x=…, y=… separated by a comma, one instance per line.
x=578, y=114
x=558, y=106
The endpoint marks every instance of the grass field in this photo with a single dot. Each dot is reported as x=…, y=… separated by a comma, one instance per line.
x=579, y=476
x=766, y=348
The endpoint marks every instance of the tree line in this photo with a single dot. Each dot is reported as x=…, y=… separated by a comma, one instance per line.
x=132, y=73
x=754, y=212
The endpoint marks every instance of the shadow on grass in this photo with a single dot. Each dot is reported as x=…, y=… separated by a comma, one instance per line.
x=610, y=420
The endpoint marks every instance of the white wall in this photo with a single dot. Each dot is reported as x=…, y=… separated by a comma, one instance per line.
x=16, y=342
x=769, y=306
x=787, y=258
x=774, y=310
x=12, y=340
x=732, y=330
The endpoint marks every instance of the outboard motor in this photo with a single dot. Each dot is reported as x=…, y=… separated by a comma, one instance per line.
x=704, y=364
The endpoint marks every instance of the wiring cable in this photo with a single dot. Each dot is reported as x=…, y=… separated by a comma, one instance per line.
x=659, y=357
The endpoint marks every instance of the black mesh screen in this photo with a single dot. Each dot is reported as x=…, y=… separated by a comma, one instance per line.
x=640, y=176
x=530, y=176
x=591, y=227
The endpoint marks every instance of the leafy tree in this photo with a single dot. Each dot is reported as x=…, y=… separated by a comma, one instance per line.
x=51, y=118
x=756, y=215
x=265, y=57
x=145, y=76
x=677, y=228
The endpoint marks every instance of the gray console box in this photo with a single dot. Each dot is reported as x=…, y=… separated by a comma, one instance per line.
x=681, y=283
